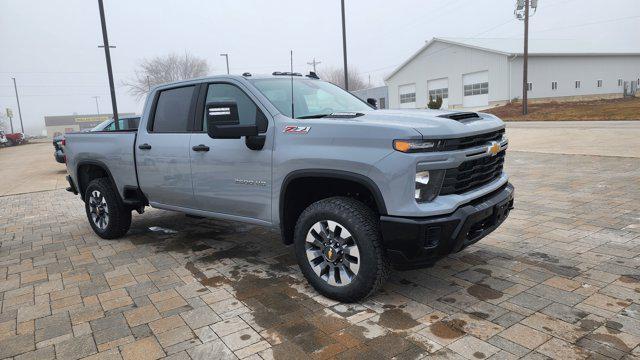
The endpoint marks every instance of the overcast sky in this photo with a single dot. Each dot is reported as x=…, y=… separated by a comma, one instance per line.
x=50, y=46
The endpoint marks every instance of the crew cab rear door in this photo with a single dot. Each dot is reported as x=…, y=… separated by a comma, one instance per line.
x=230, y=179
x=162, y=148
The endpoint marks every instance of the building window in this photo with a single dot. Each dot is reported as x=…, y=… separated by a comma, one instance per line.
x=476, y=89
x=441, y=93
x=554, y=85
x=619, y=82
x=599, y=83
x=577, y=84
x=408, y=98
x=381, y=103
x=529, y=86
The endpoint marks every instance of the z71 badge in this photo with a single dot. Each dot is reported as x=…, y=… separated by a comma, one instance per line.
x=292, y=129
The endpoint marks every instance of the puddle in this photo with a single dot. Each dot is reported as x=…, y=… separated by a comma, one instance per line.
x=630, y=279
x=397, y=319
x=544, y=257
x=448, y=329
x=484, y=271
x=484, y=292
x=610, y=340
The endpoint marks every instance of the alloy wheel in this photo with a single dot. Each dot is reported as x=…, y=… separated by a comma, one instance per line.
x=332, y=253
x=99, y=210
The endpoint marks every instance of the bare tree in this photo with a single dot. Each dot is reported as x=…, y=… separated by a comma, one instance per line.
x=163, y=69
x=4, y=122
x=335, y=76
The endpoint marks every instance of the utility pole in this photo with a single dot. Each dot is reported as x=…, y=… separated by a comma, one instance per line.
x=19, y=111
x=522, y=12
x=226, y=56
x=107, y=55
x=344, y=48
x=148, y=84
x=97, y=106
x=314, y=63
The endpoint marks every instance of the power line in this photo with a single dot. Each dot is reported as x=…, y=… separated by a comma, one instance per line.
x=590, y=23
x=314, y=63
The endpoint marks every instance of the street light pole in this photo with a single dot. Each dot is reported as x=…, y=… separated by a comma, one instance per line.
x=107, y=55
x=525, y=83
x=226, y=56
x=15, y=88
x=97, y=106
x=344, y=49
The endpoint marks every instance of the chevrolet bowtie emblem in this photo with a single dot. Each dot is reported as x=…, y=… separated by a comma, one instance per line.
x=330, y=253
x=493, y=148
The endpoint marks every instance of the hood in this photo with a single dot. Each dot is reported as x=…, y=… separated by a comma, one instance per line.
x=432, y=124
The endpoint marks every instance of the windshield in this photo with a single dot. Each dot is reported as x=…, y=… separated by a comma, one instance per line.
x=311, y=98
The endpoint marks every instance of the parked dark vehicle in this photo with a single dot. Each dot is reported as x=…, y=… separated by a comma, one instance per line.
x=58, y=153
x=126, y=123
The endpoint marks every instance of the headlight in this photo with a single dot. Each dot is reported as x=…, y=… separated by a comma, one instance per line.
x=412, y=146
x=428, y=183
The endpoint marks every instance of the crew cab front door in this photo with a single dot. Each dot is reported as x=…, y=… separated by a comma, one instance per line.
x=228, y=177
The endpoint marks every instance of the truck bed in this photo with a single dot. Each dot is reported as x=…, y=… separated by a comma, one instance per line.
x=114, y=150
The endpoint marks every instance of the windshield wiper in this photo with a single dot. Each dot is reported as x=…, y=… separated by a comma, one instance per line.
x=343, y=115
x=316, y=116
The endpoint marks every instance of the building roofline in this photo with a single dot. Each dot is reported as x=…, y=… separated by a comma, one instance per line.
x=448, y=41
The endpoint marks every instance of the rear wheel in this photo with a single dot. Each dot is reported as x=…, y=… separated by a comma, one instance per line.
x=108, y=217
x=338, y=247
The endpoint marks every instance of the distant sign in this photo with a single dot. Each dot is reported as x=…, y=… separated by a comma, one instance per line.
x=9, y=113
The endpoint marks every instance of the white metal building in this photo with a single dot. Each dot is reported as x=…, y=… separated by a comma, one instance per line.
x=475, y=73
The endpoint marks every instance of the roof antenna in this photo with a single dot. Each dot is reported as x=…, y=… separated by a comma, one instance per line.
x=293, y=116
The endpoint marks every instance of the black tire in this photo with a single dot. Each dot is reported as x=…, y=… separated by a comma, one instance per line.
x=362, y=223
x=118, y=218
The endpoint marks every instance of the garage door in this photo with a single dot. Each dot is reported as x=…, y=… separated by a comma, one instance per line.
x=407, y=95
x=476, y=89
x=439, y=88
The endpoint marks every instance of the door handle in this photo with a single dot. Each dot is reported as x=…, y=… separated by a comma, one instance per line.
x=200, y=147
x=144, y=146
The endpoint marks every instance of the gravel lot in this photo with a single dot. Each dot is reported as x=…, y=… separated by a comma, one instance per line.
x=560, y=279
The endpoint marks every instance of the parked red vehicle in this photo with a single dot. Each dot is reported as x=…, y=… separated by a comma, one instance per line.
x=15, y=139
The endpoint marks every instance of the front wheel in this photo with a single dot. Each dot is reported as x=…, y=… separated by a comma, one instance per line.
x=107, y=215
x=339, y=249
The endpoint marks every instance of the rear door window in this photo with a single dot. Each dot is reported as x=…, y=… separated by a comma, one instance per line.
x=173, y=110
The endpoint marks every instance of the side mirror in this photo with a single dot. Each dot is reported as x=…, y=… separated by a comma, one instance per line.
x=372, y=102
x=223, y=121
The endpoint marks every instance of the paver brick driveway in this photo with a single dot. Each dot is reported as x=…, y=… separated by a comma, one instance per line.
x=560, y=279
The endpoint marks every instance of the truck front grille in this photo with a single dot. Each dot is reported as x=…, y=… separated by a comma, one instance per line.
x=472, y=174
x=471, y=141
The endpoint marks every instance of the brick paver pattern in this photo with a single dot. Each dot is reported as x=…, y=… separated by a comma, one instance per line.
x=560, y=279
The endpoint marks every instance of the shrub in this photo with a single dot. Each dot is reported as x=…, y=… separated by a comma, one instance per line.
x=434, y=104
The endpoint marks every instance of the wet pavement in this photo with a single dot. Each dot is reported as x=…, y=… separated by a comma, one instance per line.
x=560, y=279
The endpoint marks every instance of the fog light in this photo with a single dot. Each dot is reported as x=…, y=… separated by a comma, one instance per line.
x=428, y=184
x=422, y=177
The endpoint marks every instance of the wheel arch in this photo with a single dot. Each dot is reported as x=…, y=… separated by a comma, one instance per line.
x=288, y=216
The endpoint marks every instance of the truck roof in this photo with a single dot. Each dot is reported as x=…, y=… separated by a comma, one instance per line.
x=244, y=76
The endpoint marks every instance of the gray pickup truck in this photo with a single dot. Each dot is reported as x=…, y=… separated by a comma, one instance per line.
x=354, y=189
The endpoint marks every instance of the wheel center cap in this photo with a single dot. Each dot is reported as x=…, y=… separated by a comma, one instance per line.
x=330, y=253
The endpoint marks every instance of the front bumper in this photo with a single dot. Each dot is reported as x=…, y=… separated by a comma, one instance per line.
x=419, y=242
